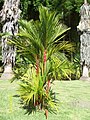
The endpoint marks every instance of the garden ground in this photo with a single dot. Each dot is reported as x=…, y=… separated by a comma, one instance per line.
x=73, y=96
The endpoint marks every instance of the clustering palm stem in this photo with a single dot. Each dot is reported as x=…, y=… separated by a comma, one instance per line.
x=40, y=42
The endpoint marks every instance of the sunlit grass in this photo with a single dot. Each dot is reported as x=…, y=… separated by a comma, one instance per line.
x=73, y=96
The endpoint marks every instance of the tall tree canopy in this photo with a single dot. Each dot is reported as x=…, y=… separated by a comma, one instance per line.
x=66, y=6
x=60, y=6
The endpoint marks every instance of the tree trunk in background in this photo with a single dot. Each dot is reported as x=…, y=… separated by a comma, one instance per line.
x=9, y=14
x=84, y=27
x=85, y=71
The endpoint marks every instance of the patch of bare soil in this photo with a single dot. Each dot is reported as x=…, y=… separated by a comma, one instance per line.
x=82, y=104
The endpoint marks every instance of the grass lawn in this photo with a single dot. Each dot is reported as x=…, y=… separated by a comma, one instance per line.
x=73, y=96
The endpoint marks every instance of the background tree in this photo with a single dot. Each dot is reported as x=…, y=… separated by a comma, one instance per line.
x=9, y=17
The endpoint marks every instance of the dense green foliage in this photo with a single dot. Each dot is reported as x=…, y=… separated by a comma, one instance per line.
x=63, y=7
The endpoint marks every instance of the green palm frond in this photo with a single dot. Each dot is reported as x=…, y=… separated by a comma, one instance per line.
x=63, y=68
x=43, y=34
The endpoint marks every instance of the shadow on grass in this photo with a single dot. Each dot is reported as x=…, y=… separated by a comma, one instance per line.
x=30, y=108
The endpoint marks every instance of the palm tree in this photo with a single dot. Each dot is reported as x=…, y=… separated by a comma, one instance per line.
x=37, y=38
x=40, y=42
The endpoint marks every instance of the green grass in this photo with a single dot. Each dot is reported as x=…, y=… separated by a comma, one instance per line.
x=73, y=96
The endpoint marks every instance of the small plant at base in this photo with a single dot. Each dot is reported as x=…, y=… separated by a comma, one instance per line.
x=36, y=93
